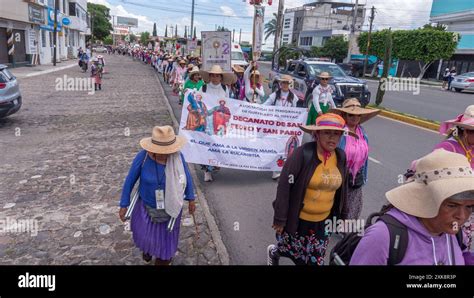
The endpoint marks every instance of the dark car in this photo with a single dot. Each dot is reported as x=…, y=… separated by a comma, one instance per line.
x=305, y=74
x=10, y=96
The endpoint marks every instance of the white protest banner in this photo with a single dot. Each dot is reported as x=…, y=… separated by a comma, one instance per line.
x=216, y=49
x=236, y=134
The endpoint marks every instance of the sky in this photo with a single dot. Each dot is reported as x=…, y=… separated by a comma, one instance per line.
x=237, y=14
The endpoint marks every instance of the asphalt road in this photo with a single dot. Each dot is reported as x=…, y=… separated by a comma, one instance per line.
x=431, y=103
x=241, y=201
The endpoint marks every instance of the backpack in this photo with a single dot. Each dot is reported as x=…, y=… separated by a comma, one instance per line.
x=204, y=88
x=345, y=248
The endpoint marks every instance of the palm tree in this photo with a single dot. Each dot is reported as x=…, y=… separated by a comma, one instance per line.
x=271, y=27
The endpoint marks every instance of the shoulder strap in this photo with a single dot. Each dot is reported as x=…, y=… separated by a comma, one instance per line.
x=277, y=96
x=398, y=239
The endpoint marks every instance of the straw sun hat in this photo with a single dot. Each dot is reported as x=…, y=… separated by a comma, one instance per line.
x=228, y=78
x=465, y=121
x=439, y=175
x=328, y=121
x=286, y=78
x=324, y=75
x=163, y=141
x=352, y=106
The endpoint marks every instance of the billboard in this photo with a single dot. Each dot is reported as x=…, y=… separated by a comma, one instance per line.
x=129, y=22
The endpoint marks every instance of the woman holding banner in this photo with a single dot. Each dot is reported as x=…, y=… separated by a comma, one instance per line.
x=217, y=84
x=312, y=189
x=253, y=84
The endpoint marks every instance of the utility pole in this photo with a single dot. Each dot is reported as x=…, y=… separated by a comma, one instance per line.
x=113, y=30
x=351, y=35
x=279, y=28
x=372, y=16
x=55, y=31
x=240, y=36
x=192, y=18
x=92, y=33
x=233, y=35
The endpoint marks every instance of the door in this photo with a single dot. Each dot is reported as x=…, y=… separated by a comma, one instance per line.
x=20, y=45
x=3, y=46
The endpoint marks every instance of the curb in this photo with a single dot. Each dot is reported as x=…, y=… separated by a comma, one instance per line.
x=211, y=222
x=408, y=119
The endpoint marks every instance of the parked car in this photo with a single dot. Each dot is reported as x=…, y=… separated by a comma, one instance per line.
x=463, y=82
x=305, y=72
x=100, y=49
x=10, y=96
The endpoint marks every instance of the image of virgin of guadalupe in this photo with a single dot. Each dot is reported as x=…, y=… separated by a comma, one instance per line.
x=291, y=145
x=197, y=113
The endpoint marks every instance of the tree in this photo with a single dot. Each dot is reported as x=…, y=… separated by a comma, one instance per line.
x=439, y=27
x=387, y=61
x=425, y=45
x=166, y=31
x=335, y=48
x=108, y=40
x=176, y=31
x=133, y=38
x=219, y=28
x=154, y=30
x=144, y=37
x=271, y=27
x=100, y=20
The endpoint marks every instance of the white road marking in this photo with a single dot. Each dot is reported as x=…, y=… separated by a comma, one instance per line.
x=33, y=74
x=374, y=160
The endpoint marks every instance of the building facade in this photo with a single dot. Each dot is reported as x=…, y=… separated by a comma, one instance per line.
x=457, y=16
x=314, y=23
x=32, y=22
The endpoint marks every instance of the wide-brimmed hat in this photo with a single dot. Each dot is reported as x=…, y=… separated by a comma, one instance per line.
x=190, y=65
x=227, y=78
x=465, y=120
x=285, y=78
x=328, y=121
x=325, y=75
x=163, y=141
x=100, y=56
x=439, y=175
x=194, y=71
x=352, y=106
x=238, y=68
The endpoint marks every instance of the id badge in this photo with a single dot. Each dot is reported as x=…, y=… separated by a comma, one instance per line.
x=160, y=199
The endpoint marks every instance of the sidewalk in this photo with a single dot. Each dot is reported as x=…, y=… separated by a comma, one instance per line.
x=27, y=71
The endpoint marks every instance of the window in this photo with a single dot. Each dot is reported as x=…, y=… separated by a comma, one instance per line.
x=306, y=41
x=43, y=38
x=301, y=70
x=333, y=69
x=72, y=8
x=287, y=23
x=51, y=3
x=291, y=67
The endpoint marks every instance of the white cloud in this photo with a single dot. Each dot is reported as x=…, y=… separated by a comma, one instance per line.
x=228, y=11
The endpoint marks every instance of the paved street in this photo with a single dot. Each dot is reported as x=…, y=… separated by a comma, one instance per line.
x=64, y=158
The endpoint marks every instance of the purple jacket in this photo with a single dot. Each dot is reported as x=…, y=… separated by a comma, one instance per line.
x=422, y=249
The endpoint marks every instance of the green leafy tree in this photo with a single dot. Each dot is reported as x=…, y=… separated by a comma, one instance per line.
x=133, y=38
x=439, y=27
x=271, y=27
x=108, y=40
x=144, y=37
x=166, y=31
x=387, y=61
x=100, y=20
x=335, y=48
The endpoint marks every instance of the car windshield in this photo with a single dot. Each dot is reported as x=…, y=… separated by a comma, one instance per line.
x=334, y=70
x=237, y=56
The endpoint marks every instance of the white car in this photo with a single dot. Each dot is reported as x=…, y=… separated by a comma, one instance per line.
x=463, y=82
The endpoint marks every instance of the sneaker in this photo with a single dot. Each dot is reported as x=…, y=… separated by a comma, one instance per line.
x=207, y=177
x=276, y=175
x=272, y=258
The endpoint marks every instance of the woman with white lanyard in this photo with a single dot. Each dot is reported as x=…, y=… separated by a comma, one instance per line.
x=283, y=97
x=253, y=84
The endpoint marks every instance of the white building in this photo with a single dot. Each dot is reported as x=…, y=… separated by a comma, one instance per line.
x=314, y=23
x=33, y=27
